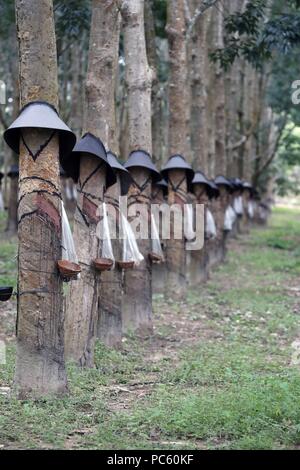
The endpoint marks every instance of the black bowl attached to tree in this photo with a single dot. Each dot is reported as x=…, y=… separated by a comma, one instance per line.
x=103, y=264
x=5, y=293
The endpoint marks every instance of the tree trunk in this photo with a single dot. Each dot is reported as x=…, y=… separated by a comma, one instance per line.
x=198, y=70
x=76, y=91
x=111, y=287
x=156, y=95
x=219, y=96
x=110, y=282
x=40, y=367
x=233, y=91
x=198, y=258
x=159, y=270
x=83, y=300
x=176, y=282
x=137, y=302
x=198, y=66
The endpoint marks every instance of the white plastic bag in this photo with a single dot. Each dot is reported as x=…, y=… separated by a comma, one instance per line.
x=210, y=228
x=67, y=242
x=230, y=217
x=104, y=235
x=250, y=209
x=238, y=205
x=131, y=250
x=189, y=222
x=1, y=202
x=155, y=241
x=74, y=192
x=68, y=192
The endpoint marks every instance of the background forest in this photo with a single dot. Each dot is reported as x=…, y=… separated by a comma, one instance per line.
x=239, y=64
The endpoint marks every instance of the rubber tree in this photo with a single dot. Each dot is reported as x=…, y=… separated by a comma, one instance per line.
x=199, y=122
x=40, y=366
x=219, y=94
x=198, y=267
x=137, y=302
x=198, y=67
x=158, y=126
x=233, y=99
x=105, y=36
x=176, y=282
x=109, y=329
x=83, y=299
x=159, y=196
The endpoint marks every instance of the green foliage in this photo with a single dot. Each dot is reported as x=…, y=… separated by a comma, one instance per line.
x=7, y=18
x=282, y=33
x=160, y=17
x=8, y=263
x=248, y=35
x=247, y=22
x=285, y=71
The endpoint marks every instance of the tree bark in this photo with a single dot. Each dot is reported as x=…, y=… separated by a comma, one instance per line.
x=159, y=270
x=198, y=70
x=210, y=103
x=40, y=367
x=233, y=91
x=137, y=302
x=111, y=286
x=83, y=300
x=198, y=261
x=176, y=282
x=219, y=96
x=110, y=282
x=178, y=90
x=157, y=91
x=176, y=260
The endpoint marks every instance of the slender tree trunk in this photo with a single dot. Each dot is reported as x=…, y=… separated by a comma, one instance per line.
x=198, y=65
x=178, y=90
x=219, y=96
x=176, y=282
x=111, y=287
x=233, y=90
x=40, y=367
x=198, y=265
x=111, y=282
x=83, y=300
x=156, y=98
x=159, y=270
x=210, y=103
x=137, y=302
x=122, y=116
x=76, y=92
x=198, y=71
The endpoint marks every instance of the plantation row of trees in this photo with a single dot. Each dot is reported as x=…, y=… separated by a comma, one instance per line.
x=159, y=78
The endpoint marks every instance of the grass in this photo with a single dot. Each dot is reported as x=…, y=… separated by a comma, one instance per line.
x=223, y=377
x=8, y=252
